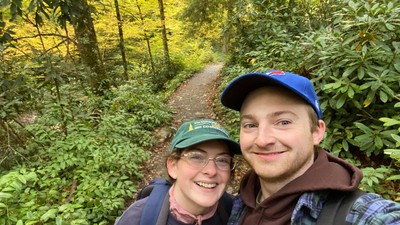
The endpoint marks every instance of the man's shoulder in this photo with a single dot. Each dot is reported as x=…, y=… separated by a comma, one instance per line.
x=375, y=202
x=374, y=209
x=368, y=208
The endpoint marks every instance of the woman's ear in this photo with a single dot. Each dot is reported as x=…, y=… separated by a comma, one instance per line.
x=172, y=168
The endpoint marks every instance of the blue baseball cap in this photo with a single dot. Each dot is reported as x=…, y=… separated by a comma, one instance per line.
x=238, y=89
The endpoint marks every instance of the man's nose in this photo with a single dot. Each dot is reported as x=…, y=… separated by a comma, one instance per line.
x=265, y=136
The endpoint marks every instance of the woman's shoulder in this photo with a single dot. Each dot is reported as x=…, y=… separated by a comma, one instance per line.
x=132, y=214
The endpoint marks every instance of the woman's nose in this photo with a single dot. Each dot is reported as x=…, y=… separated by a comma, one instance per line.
x=210, y=167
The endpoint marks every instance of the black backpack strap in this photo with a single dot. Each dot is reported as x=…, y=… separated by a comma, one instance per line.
x=224, y=207
x=164, y=212
x=337, y=207
x=223, y=213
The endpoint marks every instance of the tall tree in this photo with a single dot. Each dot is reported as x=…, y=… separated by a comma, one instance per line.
x=121, y=39
x=146, y=37
x=164, y=32
x=78, y=14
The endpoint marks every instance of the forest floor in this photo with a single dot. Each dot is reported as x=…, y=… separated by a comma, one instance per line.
x=192, y=100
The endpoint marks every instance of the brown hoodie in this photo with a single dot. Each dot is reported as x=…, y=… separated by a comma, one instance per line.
x=327, y=172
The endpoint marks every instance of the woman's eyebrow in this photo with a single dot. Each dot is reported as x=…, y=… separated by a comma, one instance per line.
x=196, y=149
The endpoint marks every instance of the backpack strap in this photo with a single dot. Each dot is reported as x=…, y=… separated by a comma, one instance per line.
x=224, y=207
x=156, y=213
x=164, y=212
x=145, y=191
x=337, y=206
x=153, y=207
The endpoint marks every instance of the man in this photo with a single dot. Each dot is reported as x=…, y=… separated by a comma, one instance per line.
x=291, y=178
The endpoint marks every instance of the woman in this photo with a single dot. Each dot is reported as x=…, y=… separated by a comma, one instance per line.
x=199, y=167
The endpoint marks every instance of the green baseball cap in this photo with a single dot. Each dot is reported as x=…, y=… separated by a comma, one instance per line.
x=197, y=131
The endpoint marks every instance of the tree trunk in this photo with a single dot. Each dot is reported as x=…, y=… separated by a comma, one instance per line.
x=121, y=40
x=164, y=31
x=146, y=38
x=88, y=47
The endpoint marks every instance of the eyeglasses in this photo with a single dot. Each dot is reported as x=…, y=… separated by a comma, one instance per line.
x=200, y=160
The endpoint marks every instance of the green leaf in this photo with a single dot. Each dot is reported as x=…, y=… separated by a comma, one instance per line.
x=63, y=207
x=22, y=179
x=353, y=5
x=393, y=153
x=345, y=145
x=349, y=70
x=389, y=121
x=396, y=137
x=363, y=139
x=50, y=214
x=5, y=195
x=364, y=50
x=394, y=177
x=383, y=96
x=369, y=99
x=390, y=26
x=397, y=65
x=350, y=92
x=364, y=128
x=59, y=220
x=335, y=85
x=79, y=221
x=8, y=189
x=375, y=180
x=378, y=142
x=360, y=73
x=365, y=86
x=340, y=102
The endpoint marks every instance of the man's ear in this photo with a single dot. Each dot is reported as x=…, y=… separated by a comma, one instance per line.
x=319, y=132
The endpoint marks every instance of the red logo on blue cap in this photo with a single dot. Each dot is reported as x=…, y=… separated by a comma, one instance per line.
x=275, y=72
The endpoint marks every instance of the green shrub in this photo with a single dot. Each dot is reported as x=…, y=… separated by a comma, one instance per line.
x=356, y=67
x=88, y=152
x=394, y=153
x=13, y=184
